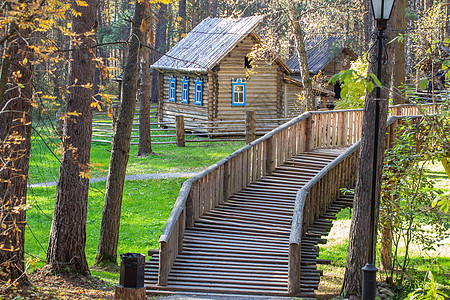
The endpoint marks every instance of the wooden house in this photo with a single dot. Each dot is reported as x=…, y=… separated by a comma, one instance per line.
x=327, y=56
x=206, y=77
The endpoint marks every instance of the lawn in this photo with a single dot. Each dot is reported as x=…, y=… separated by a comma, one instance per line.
x=146, y=204
x=44, y=162
x=145, y=208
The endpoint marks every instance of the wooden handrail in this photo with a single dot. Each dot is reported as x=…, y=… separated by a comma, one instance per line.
x=213, y=186
x=325, y=186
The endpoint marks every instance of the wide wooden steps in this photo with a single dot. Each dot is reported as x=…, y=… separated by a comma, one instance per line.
x=241, y=246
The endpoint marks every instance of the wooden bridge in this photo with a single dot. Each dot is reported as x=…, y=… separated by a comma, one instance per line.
x=250, y=224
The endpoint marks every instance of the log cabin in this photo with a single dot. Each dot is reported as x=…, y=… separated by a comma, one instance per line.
x=325, y=56
x=208, y=77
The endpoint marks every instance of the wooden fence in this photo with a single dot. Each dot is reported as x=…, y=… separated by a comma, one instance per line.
x=336, y=130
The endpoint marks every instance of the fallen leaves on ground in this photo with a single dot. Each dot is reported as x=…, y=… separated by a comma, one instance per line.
x=45, y=285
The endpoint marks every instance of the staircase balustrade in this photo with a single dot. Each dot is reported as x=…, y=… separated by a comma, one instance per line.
x=213, y=186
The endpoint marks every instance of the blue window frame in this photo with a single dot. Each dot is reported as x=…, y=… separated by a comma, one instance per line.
x=185, y=90
x=238, y=87
x=172, y=88
x=198, y=98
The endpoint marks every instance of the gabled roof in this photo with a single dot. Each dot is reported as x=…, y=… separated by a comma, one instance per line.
x=321, y=53
x=207, y=44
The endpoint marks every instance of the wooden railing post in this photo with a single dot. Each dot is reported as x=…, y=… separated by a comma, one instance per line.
x=226, y=180
x=190, y=210
x=308, y=134
x=269, y=159
x=250, y=126
x=294, y=271
x=179, y=124
x=164, y=265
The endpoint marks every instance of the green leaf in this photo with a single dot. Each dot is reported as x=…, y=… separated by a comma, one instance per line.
x=370, y=87
x=344, y=91
x=423, y=83
x=334, y=78
x=375, y=79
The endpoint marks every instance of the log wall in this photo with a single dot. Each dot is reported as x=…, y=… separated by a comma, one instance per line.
x=262, y=87
x=193, y=113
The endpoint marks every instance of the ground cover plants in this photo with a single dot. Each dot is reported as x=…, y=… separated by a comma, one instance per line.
x=44, y=162
x=146, y=206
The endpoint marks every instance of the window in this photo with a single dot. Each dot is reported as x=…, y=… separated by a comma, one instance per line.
x=247, y=62
x=238, y=92
x=185, y=90
x=198, y=98
x=172, y=88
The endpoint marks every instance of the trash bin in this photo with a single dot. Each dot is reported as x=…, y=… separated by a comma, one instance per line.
x=132, y=270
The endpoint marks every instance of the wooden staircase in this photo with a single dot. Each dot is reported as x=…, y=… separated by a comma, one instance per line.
x=241, y=247
x=250, y=224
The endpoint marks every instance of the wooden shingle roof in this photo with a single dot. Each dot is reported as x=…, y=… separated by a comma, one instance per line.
x=207, y=44
x=323, y=51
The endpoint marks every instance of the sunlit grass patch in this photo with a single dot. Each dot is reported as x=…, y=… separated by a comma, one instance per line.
x=146, y=205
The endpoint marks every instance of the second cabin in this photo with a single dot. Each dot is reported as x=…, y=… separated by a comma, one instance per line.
x=208, y=77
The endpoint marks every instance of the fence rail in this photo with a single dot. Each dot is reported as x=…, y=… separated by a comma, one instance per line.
x=340, y=127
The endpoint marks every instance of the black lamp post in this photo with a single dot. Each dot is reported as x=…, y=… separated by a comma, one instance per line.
x=382, y=11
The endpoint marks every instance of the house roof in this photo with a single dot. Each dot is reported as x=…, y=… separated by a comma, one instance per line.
x=322, y=52
x=207, y=44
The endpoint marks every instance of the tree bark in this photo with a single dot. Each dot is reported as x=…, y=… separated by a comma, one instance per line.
x=294, y=19
x=145, y=140
x=386, y=236
x=66, y=250
x=182, y=15
x=109, y=232
x=15, y=145
x=399, y=59
x=358, y=254
x=214, y=8
x=160, y=48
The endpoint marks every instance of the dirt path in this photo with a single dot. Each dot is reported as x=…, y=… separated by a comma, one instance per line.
x=128, y=177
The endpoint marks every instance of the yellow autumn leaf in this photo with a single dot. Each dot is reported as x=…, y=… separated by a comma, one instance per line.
x=81, y=3
x=85, y=174
x=73, y=113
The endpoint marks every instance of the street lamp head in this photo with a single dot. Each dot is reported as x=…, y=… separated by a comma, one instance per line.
x=382, y=10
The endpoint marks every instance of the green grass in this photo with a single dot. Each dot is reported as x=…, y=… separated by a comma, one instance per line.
x=146, y=204
x=44, y=164
x=145, y=208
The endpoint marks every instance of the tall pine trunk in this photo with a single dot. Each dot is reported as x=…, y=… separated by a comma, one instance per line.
x=358, y=255
x=160, y=49
x=66, y=250
x=15, y=145
x=399, y=59
x=294, y=18
x=109, y=232
x=145, y=140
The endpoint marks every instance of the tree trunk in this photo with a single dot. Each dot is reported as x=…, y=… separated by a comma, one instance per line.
x=66, y=250
x=160, y=48
x=386, y=236
x=214, y=9
x=15, y=145
x=109, y=232
x=145, y=140
x=359, y=242
x=399, y=60
x=294, y=19
x=182, y=20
